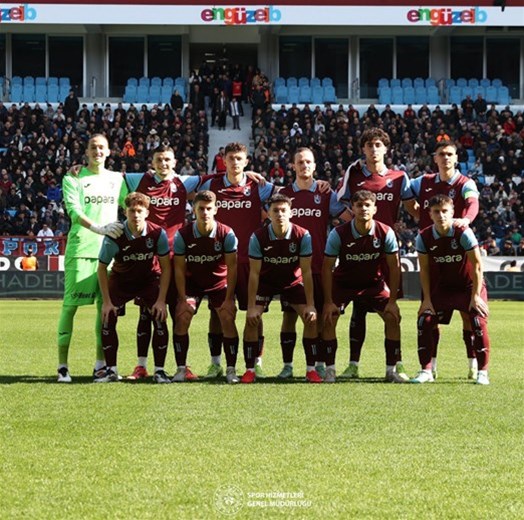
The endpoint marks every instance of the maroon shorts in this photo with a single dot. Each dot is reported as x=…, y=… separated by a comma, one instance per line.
x=241, y=286
x=215, y=298
x=445, y=301
x=122, y=291
x=318, y=295
x=294, y=295
x=374, y=298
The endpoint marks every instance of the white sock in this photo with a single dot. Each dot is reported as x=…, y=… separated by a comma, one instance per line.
x=258, y=361
x=320, y=364
x=331, y=367
x=434, y=363
x=250, y=369
x=158, y=368
x=309, y=368
x=142, y=361
x=99, y=363
x=354, y=363
x=483, y=372
x=216, y=360
x=390, y=368
x=288, y=365
x=473, y=363
x=114, y=369
x=62, y=366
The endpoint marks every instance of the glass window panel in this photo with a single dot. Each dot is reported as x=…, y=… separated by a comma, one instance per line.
x=412, y=57
x=66, y=59
x=28, y=52
x=466, y=57
x=164, y=56
x=295, y=56
x=503, y=56
x=376, y=61
x=331, y=61
x=126, y=59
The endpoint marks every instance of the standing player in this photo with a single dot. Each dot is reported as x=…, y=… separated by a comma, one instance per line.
x=464, y=193
x=205, y=265
x=135, y=274
x=280, y=263
x=311, y=210
x=451, y=279
x=240, y=203
x=91, y=196
x=392, y=188
x=362, y=246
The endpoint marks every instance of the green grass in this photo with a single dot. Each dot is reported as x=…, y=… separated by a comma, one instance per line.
x=350, y=450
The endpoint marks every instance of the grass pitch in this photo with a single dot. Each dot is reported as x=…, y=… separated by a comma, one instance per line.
x=270, y=450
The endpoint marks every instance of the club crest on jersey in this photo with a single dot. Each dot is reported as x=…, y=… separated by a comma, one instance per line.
x=376, y=243
x=389, y=183
x=218, y=246
x=247, y=191
x=173, y=188
x=292, y=247
x=454, y=244
x=451, y=194
x=317, y=198
x=150, y=243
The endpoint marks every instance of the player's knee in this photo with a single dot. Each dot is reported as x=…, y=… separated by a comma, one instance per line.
x=426, y=322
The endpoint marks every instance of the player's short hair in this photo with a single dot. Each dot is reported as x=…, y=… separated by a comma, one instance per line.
x=103, y=136
x=163, y=148
x=235, y=148
x=205, y=196
x=375, y=133
x=363, y=195
x=304, y=149
x=443, y=144
x=440, y=199
x=278, y=198
x=137, y=199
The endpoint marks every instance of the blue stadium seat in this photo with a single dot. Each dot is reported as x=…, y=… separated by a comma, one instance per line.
x=467, y=91
x=471, y=154
x=154, y=94
x=315, y=82
x=433, y=96
x=293, y=94
x=462, y=82
x=408, y=95
x=449, y=83
x=406, y=82
x=318, y=95
x=53, y=92
x=29, y=80
x=143, y=82
x=503, y=96
x=384, y=96
x=130, y=94
x=40, y=80
x=17, y=91
x=168, y=82
x=41, y=93
x=52, y=80
x=132, y=82
x=330, y=94
x=303, y=82
x=279, y=82
x=16, y=80
x=473, y=82
x=455, y=95
x=142, y=94
x=491, y=94
x=28, y=93
x=430, y=82
x=305, y=94
x=479, y=90
x=421, y=95
x=63, y=91
x=281, y=94
x=327, y=82
x=156, y=81
x=496, y=83
x=397, y=95
x=418, y=82
x=485, y=82
x=64, y=82
x=394, y=82
x=165, y=94
x=291, y=82
x=383, y=82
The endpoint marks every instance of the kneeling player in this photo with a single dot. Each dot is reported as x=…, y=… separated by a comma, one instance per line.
x=205, y=265
x=451, y=279
x=135, y=274
x=360, y=246
x=280, y=263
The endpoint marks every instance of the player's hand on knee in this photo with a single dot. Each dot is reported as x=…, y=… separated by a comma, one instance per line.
x=253, y=317
x=426, y=307
x=330, y=313
x=159, y=311
x=107, y=310
x=187, y=306
x=310, y=314
x=479, y=305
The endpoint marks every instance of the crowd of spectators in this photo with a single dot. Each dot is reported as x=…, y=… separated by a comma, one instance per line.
x=39, y=144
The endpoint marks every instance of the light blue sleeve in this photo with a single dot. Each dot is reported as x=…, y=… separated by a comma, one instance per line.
x=415, y=186
x=335, y=206
x=254, y=248
x=333, y=244
x=265, y=191
x=133, y=180
x=468, y=240
x=390, y=242
x=230, y=243
x=190, y=182
x=162, y=248
x=406, y=191
x=179, y=245
x=470, y=190
x=205, y=185
x=306, y=246
x=419, y=244
x=108, y=250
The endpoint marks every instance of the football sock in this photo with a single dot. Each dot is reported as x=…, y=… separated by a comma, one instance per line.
x=469, y=341
x=181, y=347
x=142, y=361
x=331, y=346
x=288, y=341
x=65, y=331
x=310, y=348
x=216, y=360
x=98, y=331
x=425, y=324
x=231, y=351
x=250, y=352
x=436, y=339
x=160, y=342
x=110, y=341
x=143, y=333
x=357, y=332
x=321, y=351
x=392, y=347
x=482, y=344
x=214, y=342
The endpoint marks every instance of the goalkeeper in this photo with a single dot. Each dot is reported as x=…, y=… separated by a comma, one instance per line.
x=92, y=196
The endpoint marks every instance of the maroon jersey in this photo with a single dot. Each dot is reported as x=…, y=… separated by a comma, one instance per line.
x=448, y=261
x=391, y=188
x=168, y=203
x=134, y=258
x=431, y=185
x=312, y=210
x=205, y=263
x=361, y=257
x=280, y=256
x=239, y=207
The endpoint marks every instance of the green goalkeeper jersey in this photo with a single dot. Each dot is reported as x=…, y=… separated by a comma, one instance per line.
x=97, y=197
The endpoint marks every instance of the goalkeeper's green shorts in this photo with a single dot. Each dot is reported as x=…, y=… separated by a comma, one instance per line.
x=81, y=281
